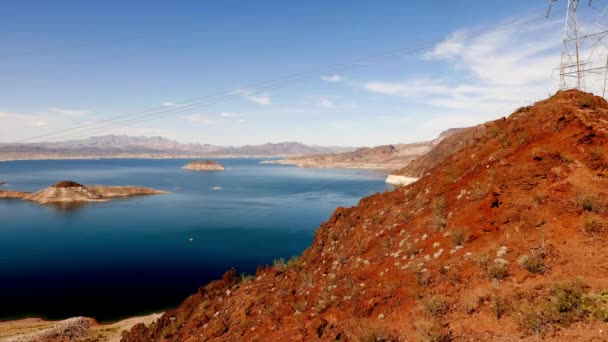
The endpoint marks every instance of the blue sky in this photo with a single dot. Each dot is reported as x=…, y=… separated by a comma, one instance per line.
x=65, y=63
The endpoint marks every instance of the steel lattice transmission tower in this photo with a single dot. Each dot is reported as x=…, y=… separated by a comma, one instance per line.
x=580, y=51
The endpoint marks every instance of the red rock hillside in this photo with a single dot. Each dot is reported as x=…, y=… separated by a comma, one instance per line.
x=504, y=240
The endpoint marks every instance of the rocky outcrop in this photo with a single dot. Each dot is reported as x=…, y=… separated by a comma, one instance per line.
x=204, y=165
x=68, y=191
x=11, y=194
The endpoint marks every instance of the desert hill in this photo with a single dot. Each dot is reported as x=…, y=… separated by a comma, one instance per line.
x=386, y=157
x=501, y=241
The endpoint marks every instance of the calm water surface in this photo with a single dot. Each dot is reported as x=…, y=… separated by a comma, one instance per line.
x=116, y=259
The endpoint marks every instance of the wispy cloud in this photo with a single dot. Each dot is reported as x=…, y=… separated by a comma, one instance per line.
x=332, y=78
x=68, y=112
x=229, y=115
x=200, y=119
x=170, y=104
x=491, y=75
x=263, y=100
x=409, y=88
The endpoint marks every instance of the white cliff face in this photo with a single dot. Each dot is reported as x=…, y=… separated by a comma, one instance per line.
x=400, y=180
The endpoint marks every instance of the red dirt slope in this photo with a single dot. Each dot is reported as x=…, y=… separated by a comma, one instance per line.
x=502, y=241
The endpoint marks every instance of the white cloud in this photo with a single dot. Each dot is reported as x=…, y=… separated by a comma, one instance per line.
x=263, y=100
x=332, y=78
x=199, y=119
x=327, y=103
x=68, y=112
x=491, y=75
x=169, y=104
x=242, y=121
x=229, y=115
x=410, y=88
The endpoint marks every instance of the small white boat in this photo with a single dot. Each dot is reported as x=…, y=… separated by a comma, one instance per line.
x=217, y=188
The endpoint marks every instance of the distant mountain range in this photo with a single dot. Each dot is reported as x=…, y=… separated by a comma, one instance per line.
x=123, y=146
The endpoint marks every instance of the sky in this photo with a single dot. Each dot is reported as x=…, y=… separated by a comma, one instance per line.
x=69, y=63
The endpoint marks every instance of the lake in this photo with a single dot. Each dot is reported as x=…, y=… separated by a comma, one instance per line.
x=127, y=257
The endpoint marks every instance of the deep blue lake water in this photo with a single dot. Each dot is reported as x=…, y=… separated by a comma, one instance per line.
x=126, y=257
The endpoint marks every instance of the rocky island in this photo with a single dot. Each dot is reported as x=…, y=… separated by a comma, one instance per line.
x=71, y=192
x=204, y=165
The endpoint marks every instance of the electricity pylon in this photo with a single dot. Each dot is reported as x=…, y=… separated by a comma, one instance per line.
x=577, y=59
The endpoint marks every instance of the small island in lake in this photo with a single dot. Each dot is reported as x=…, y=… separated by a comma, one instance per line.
x=204, y=165
x=68, y=191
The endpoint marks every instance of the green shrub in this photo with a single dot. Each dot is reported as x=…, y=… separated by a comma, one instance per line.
x=534, y=264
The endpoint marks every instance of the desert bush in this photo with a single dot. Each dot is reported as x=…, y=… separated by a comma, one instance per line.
x=596, y=154
x=420, y=202
x=377, y=335
x=294, y=262
x=593, y=225
x=585, y=102
x=532, y=263
x=460, y=236
x=279, y=263
x=246, y=277
x=423, y=278
x=596, y=305
x=478, y=192
x=563, y=307
x=499, y=305
x=589, y=203
x=439, y=204
x=436, y=306
x=496, y=269
x=434, y=332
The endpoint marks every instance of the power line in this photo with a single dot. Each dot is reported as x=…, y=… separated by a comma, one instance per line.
x=181, y=106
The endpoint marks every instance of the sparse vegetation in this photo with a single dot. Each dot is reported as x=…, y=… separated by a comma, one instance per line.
x=377, y=335
x=294, y=263
x=596, y=154
x=460, y=236
x=563, y=307
x=434, y=332
x=478, y=192
x=436, y=306
x=589, y=203
x=246, y=277
x=279, y=263
x=499, y=304
x=593, y=224
x=496, y=269
x=534, y=263
x=585, y=102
